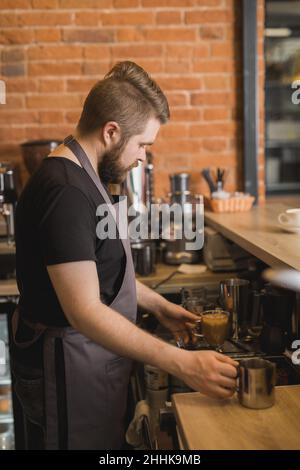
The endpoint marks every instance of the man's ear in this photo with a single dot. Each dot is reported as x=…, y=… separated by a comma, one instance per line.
x=111, y=133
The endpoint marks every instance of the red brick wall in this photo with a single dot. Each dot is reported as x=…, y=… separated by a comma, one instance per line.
x=53, y=51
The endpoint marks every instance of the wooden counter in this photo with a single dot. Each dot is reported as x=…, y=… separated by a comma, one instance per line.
x=208, y=424
x=179, y=280
x=163, y=271
x=8, y=288
x=6, y=249
x=258, y=232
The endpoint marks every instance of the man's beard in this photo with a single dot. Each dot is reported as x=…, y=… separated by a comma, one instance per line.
x=110, y=168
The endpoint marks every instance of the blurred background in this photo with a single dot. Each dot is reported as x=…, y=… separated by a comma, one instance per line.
x=53, y=51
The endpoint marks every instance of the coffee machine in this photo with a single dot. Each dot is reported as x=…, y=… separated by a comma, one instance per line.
x=8, y=199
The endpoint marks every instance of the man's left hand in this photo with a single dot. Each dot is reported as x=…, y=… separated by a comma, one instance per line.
x=178, y=320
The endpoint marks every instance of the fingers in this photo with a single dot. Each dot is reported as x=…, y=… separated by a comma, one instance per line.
x=228, y=367
x=223, y=358
x=181, y=336
x=224, y=392
x=194, y=339
x=186, y=337
x=181, y=313
x=189, y=316
x=186, y=315
x=227, y=382
x=219, y=392
x=185, y=334
x=190, y=325
x=191, y=328
x=228, y=370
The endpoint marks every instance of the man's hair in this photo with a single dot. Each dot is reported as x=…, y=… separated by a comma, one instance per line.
x=126, y=95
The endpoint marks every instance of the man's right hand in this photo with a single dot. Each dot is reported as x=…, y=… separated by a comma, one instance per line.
x=208, y=372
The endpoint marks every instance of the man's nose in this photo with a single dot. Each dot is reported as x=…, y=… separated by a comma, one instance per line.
x=142, y=156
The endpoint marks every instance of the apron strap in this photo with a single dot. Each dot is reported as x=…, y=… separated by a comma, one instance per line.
x=85, y=162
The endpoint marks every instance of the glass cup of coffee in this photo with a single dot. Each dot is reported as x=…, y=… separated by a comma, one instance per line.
x=214, y=327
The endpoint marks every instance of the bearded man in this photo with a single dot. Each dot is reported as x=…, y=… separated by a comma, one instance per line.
x=74, y=332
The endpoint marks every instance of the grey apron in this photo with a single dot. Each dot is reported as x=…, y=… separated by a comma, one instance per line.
x=86, y=385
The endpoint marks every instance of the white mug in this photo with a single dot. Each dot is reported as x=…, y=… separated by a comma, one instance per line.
x=291, y=217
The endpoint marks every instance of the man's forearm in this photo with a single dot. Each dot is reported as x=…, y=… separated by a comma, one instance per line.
x=148, y=299
x=204, y=371
x=107, y=327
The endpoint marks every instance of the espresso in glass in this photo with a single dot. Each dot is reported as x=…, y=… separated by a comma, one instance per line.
x=215, y=327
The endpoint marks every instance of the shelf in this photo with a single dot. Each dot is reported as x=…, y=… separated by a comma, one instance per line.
x=5, y=380
x=273, y=84
x=8, y=418
x=283, y=112
x=284, y=186
x=282, y=144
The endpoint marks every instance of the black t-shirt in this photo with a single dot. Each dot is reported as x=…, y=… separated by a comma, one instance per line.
x=56, y=223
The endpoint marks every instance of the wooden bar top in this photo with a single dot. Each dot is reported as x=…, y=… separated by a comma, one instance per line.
x=259, y=233
x=177, y=281
x=8, y=288
x=209, y=424
x=163, y=271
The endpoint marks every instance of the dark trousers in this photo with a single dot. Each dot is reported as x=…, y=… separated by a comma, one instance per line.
x=28, y=386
